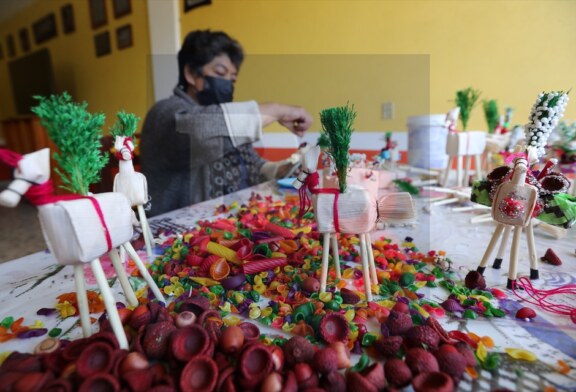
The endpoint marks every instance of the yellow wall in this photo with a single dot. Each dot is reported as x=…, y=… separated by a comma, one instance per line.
x=120, y=80
x=510, y=50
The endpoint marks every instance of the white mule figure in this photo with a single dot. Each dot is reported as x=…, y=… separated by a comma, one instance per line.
x=355, y=211
x=78, y=230
x=134, y=186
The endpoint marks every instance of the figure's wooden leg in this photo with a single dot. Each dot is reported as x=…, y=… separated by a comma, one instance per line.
x=82, y=299
x=145, y=232
x=512, y=272
x=532, y=251
x=325, y=254
x=467, y=168
x=503, y=244
x=365, y=270
x=446, y=173
x=459, y=162
x=478, y=162
x=144, y=272
x=121, y=274
x=110, y=304
x=490, y=248
x=371, y=263
x=336, y=256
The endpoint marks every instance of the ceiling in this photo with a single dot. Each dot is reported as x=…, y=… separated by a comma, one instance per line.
x=9, y=8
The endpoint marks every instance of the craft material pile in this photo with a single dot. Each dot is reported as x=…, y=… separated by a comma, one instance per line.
x=244, y=313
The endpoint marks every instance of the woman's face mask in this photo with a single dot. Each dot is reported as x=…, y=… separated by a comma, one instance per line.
x=216, y=91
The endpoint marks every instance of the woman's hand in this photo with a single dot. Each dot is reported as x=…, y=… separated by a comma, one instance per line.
x=295, y=118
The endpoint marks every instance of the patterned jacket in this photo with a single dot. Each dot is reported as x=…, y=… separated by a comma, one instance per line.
x=191, y=153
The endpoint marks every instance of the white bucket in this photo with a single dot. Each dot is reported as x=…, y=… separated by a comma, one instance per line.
x=427, y=141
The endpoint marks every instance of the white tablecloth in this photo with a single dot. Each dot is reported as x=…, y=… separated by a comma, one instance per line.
x=34, y=282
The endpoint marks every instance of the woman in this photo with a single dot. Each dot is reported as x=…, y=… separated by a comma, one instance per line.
x=197, y=144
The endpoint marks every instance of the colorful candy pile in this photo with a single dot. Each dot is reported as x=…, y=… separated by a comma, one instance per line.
x=262, y=263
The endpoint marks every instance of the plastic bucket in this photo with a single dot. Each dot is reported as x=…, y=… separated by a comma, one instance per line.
x=427, y=141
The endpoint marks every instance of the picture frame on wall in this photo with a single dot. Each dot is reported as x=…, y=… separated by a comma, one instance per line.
x=191, y=4
x=122, y=8
x=98, y=16
x=67, y=14
x=24, y=39
x=45, y=29
x=10, y=46
x=124, y=36
x=102, y=44
x=1, y=52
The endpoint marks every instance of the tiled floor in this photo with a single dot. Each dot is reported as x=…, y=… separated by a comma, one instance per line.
x=20, y=232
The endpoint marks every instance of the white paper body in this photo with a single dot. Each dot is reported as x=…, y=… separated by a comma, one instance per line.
x=466, y=143
x=74, y=232
x=357, y=212
x=133, y=186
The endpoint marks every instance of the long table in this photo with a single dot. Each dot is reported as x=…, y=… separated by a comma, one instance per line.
x=33, y=282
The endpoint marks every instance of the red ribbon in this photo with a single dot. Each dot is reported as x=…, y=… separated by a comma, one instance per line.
x=42, y=194
x=311, y=182
x=118, y=153
x=10, y=158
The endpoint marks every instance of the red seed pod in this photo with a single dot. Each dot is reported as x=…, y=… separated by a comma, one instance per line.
x=525, y=313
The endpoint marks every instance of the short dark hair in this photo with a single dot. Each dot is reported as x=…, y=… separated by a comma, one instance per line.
x=201, y=46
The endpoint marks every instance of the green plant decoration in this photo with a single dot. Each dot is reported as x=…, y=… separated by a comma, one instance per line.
x=76, y=132
x=126, y=125
x=466, y=100
x=337, y=125
x=491, y=114
x=323, y=141
x=405, y=186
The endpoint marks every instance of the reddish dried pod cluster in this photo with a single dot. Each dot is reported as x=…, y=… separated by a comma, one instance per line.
x=425, y=356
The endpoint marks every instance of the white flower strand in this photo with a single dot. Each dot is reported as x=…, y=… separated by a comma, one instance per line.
x=544, y=117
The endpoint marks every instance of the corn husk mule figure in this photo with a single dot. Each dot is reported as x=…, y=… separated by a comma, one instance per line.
x=78, y=228
x=347, y=209
x=517, y=195
x=128, y=181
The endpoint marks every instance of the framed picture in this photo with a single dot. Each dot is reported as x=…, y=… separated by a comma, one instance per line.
x=24, y=39
x=102, y=44
x=189, y=4
x=67, y=14
x=44, y=29
x=10, y=46
x=1, y=52
x=98, y=15
x=122, y=8
x=124, y=36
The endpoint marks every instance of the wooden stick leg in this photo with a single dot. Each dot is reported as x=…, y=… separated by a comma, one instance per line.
x=336, y=256
x=110, y=304
x=478, y=162
x=532, y=251
x=442, y=202
x=82, y=299
x=467, y=166
x=121, y=274
x=325, y=254
x=371, y=263
x=484, y=158
x=446, y=173
x=503, y=245
x=145, y=232
x=365, y=270
x=143, y=271
x=512, y=272
x=490, y=247
x=459, y=170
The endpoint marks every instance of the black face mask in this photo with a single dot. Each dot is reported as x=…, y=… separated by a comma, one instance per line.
x=216, y=91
